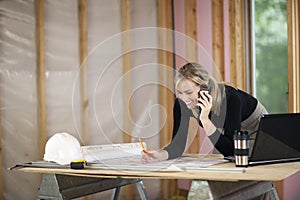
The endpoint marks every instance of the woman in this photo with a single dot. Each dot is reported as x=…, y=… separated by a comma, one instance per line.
x=219, y=108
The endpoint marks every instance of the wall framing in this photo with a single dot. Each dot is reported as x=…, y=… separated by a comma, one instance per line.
x=293, y=19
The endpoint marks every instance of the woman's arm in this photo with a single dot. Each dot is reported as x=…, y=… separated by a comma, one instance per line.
x=231, y=120
x=181, y=117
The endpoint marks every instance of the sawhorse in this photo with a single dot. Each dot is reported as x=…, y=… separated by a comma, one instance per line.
x=62, y=187
x=247, y=190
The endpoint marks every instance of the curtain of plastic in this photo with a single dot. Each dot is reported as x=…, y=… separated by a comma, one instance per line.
x=18, y=96
x=20, y=136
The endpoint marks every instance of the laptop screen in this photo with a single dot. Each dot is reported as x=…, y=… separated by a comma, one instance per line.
x=278, y=138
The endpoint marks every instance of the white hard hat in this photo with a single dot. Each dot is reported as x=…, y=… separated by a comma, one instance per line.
x=62, y=148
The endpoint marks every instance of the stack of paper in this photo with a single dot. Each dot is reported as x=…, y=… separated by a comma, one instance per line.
x=99, y=153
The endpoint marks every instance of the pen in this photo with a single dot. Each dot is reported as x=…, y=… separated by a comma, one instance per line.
x=142, y=144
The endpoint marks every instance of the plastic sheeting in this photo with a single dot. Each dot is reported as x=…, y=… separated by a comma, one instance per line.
x=18, y=96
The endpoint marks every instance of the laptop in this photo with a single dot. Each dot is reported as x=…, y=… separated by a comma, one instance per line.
x=277, y=139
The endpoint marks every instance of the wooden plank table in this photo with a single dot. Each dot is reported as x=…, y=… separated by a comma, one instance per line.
x=219, y=172
x=226, y=172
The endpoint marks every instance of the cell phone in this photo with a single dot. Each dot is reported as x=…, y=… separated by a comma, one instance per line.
x=203, y=89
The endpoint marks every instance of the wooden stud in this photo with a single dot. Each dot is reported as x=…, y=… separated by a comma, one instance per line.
x=165, y=58
x=192, y=51
x=193, y=136
x=218, y=36
x=40, y=75
x=191, y=30
x=84, y=98
x=84, y=105
x=293, y=19
x=127, y=191
x=237, y=44
x=1, y=157
x=125, y=21
x=249, y=51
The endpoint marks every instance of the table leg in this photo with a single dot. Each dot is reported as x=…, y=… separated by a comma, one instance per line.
x=273, y=194
x=115, y=193
x=142, y=191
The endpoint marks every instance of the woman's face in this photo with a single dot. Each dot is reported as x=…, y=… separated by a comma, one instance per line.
x=187, y=91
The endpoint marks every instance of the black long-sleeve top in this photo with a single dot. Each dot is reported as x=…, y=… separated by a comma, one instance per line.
x=236, y=107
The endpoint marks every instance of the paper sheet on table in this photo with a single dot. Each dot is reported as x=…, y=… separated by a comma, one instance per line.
x=134, y=163
x=127, y=156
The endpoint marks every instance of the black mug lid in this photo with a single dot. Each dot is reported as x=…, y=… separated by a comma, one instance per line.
x=241, y=135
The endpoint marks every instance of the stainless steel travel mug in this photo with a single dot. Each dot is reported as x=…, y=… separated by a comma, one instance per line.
x=241, y=148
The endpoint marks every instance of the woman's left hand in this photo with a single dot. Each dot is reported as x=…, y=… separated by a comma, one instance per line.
x=154, y=156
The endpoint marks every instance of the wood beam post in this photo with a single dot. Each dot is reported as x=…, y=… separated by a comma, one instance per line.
x=84, y=99
x=191, y=30
x=165, y=59
x=192, y=56
x=293, y=19
x=40, y=75
x=237, y=44
x=125, y=21
x=218, y=36
x=1, y=153
x=128, y=190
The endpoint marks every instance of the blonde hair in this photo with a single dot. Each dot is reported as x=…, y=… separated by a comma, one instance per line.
x=200, y=76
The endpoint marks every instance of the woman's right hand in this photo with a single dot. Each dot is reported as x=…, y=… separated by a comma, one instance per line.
x=205, y=103
x=154, y=156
